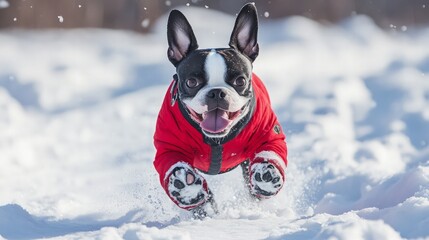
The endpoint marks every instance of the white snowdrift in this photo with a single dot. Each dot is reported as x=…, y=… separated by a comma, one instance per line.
x=4, y=4
x=77, y=116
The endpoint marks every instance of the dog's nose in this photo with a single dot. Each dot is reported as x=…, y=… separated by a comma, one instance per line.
x=216, y=94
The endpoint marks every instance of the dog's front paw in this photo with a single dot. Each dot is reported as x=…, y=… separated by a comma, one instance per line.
x=266, y=179
x=186, y=187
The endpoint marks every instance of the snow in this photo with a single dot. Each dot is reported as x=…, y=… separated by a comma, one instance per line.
x=78, y=111
x=4, y=4
x=145, y=22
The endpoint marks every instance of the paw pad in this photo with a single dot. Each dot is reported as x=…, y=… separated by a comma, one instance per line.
x=185, y=186
x=265, y=179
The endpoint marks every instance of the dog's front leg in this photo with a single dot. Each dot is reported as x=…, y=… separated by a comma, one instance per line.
x=266, y=174
x=186, y=187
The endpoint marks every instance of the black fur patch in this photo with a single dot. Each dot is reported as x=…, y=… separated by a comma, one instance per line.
x=193, y=66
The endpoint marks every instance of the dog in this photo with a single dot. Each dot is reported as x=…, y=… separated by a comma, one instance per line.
x=216, y=116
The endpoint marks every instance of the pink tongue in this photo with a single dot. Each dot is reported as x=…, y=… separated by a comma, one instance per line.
x=215, y=121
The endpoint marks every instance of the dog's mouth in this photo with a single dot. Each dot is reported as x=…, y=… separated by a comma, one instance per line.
x=216, y=121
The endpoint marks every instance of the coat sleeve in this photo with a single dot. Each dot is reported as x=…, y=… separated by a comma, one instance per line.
x=166, y=157
x=270, y=144
x=170, y=149
x=272, y=148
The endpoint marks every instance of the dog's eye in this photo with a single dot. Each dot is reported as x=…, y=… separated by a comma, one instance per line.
x=239, y=82
x=192, y=83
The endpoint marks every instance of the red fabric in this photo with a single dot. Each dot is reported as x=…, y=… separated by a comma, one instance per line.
x=177, y=140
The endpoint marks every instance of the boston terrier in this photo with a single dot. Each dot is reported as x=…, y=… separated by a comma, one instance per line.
x=217, y=116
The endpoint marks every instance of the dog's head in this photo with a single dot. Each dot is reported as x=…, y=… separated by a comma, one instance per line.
x=215, y=84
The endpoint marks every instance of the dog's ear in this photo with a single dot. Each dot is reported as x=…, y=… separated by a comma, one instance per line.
x=244, y=37
x=181, y=38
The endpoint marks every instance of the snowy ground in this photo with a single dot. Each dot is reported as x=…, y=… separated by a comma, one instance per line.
x=78, y=109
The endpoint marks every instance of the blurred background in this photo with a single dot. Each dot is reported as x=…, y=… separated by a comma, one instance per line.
x=139, y=15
